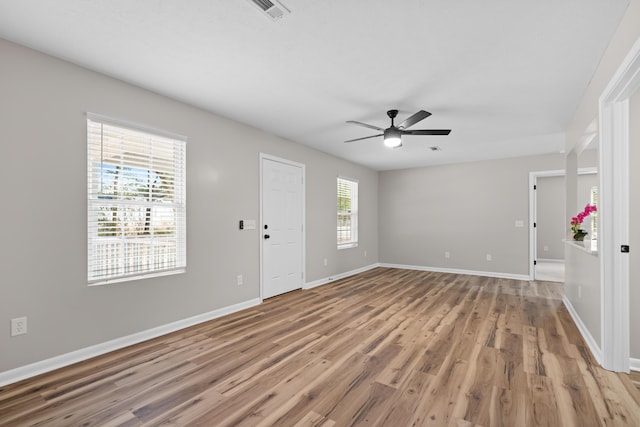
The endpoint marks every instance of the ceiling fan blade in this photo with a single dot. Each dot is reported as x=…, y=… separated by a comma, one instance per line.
x=427, y=132
x=420, y=115
x=365, y=125
x=366, y=137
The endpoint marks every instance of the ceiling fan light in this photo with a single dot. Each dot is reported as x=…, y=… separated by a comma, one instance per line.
x=392, y=138
x=392, y=141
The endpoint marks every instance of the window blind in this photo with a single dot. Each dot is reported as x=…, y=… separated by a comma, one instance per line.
x=347, y=209
x=136, y=202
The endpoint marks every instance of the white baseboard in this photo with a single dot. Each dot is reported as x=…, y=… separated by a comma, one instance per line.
x=634, y=364
x=591, y=342
x=330, y=279
x=550, y=260
x=37, y=368
x=47, y=365
x=457, y=271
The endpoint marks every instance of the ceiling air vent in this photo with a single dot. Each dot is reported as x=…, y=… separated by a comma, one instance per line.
x=273, y=8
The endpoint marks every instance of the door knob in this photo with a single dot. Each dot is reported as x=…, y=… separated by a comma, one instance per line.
x=266, y=236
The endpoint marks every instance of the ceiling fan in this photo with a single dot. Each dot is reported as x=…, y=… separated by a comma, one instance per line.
x=393, y=134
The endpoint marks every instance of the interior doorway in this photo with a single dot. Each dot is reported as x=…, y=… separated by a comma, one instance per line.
x=550, y=270
x=534, y=217
x=550, y=228
x=549, y=221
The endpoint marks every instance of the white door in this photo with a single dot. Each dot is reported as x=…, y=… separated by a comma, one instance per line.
x=281, y=226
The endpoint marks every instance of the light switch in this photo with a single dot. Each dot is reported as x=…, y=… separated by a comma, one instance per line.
x=519, y=223
x=249, y=224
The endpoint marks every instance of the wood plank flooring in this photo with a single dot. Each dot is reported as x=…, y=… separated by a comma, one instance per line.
x=388, y=347
x=635, y=377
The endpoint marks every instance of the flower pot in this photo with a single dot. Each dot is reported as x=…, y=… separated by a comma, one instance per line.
x=579, y=235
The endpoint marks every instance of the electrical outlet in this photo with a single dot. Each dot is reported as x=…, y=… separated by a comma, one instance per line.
x=447, y=254
x=240, y=280
x=325, y=262
x=18, y=326
x=489, y=257
x=545, y=248
x=365, y=254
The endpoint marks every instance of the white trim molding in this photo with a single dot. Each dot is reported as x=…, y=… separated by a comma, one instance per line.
x=47, y=365
x=457, y=271
x=614, y=212
x=533, y=244
x=584, y=331
x=324, y=281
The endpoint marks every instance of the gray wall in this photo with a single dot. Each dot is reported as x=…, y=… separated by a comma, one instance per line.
x=634, y=224
x=582, y=288
x=550, y=217
x=43, y=254
x=467, y=209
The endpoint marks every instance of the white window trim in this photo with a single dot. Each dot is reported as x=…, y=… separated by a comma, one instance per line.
x=348, y=246
x=180, y=204
x=354, y=215
x=593, y=231
x=135, y=126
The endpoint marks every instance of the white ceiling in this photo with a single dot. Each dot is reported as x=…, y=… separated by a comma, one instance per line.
x=505, y=76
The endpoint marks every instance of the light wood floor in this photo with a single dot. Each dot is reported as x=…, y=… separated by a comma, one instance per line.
x=387, y=347
x=550, y=271
x=635, y=377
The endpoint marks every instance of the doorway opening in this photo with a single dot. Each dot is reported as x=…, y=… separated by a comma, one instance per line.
x=549, y=221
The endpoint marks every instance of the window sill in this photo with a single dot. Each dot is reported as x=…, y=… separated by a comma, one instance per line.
x=137, y=277
x=348, y=246
x=580, y=246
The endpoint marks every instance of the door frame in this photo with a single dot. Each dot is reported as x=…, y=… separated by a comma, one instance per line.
x=533, y=210
x=533, y=213
x=613, y=116
x=262, y=157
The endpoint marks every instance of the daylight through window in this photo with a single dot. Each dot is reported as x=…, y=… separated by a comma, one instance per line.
x=594, y=219
x=347, y=208
x=136, y=202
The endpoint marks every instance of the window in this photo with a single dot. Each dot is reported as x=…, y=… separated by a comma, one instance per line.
x=347, y=213
x=136, y=202
x=594, y=219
